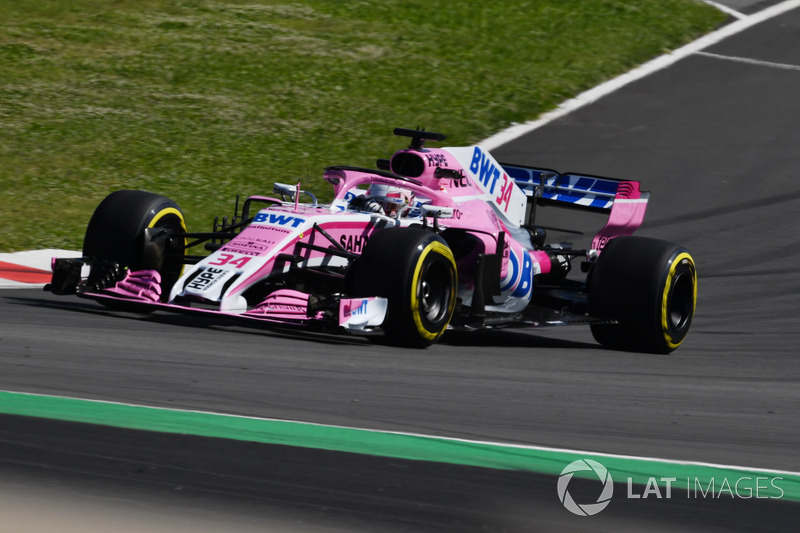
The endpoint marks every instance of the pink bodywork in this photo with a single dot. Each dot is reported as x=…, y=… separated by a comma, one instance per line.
x=283, y=304
x=627, y=214
x=138, y=285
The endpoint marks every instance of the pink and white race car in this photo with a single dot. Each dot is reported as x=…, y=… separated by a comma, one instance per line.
x=434, y=239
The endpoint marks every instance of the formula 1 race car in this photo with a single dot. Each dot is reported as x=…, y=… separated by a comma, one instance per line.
x=431, y=240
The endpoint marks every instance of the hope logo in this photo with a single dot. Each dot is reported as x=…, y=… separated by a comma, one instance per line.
x=586, y=509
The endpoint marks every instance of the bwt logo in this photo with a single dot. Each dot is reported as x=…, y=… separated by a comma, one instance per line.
x=361, y=309
x=276, y=219
x=483, y=167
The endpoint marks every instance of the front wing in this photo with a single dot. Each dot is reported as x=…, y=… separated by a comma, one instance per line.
x=140, y=291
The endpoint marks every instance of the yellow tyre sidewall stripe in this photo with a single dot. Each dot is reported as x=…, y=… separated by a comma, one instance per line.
x=684, y=256
x=434, y=246
x=166, y=212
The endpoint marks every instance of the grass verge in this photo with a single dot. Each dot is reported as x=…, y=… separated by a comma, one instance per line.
x=201, y=100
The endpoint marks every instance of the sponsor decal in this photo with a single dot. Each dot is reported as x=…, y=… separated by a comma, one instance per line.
x=206, y=279
x=361, y=309
x=483, y=167
x=601, y=243
x=271, y=229
x=462, y=181
x=520, y=278
x=436, y=160
x=234, y=260
x=353, y=243
x=278, y=219
x=360, y=313
x=504, y=196
x=285, y=308
x=233, y=249
x=245, y=247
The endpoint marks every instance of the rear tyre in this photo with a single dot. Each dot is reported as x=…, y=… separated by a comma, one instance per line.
x=649, y=287
x=139, y=230
x=416, y=271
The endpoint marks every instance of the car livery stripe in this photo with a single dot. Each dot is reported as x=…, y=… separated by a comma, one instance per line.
x=420, y=447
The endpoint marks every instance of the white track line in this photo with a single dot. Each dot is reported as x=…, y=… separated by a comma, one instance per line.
x=749, y=61
x=726, y=9
x=642, y=71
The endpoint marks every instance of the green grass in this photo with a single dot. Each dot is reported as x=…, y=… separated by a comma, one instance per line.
x=201, y=100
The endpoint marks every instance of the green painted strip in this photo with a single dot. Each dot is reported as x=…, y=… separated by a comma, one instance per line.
x=690, y=479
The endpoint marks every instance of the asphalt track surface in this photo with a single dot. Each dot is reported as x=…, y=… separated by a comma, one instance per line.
x=716, y=141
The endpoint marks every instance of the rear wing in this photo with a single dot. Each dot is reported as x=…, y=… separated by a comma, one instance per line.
x=624, y=202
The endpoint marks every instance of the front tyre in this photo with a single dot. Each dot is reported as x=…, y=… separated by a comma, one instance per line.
x=416, y=271
x=139, y=230
x=649, y=287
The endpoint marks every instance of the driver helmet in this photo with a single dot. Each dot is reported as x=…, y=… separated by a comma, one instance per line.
x=393, y=200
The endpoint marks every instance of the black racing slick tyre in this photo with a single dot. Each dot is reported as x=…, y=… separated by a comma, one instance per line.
x=649, y=287
x=139, y=230
x=416, y=271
